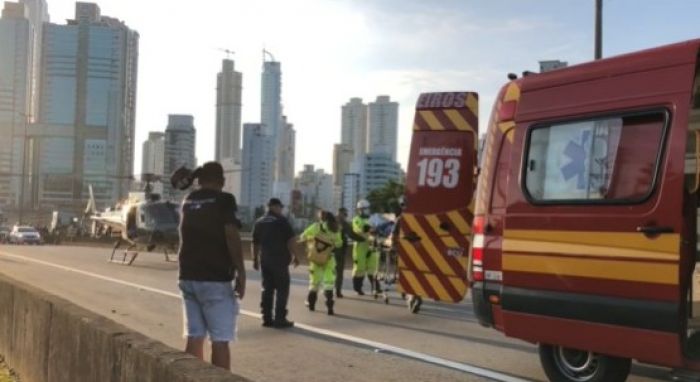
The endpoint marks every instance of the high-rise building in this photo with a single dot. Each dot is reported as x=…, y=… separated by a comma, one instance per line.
x=153, y=158
x=383, y=126
x=233, y=172
x=316, y=187
x=16, y=63
x=258, y=170
x=353, y=126
x=377, y=170
x=342, y=158
x=229, y=85
x=286, y=153
x=271, y=96
x=180, y=140
x=38, y=14
x=351, y=191
x=86, y=116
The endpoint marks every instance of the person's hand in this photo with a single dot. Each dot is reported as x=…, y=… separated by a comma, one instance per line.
x=256, y=263
x=295, y=261
x=240, y=287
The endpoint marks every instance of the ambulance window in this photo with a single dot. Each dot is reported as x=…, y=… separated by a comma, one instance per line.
x=612, y=159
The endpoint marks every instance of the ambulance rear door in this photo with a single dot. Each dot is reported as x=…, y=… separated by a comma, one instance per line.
x=436, y=224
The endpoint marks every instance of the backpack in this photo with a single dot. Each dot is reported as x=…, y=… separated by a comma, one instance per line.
x=319, y=250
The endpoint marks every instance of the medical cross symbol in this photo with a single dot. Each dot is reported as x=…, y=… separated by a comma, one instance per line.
x=577, y=167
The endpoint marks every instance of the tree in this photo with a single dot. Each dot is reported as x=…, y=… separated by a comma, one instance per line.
x=386, y=198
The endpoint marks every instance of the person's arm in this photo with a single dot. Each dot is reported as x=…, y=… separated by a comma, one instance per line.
x=292, y=247
x=255, y=248
x=227, y=204
x=351, y=233
x=235, y=250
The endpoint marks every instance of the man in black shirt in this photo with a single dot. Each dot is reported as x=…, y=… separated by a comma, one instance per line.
x=210, y=259
x=273, y=249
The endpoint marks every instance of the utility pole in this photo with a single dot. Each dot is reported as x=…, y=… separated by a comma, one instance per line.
x=598, y=29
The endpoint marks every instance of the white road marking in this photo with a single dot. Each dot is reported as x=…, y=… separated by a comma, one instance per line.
x=378, y=346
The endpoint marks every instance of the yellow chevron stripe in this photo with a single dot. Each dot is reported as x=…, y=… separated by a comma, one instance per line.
x=431, y=120
x=462, y=225
x=512, y=93
x=505, y=127
x=459, y=284
x=597, y=269
x=437, y=286
x=427, y=242
x=413, y=255
x=411, y=279
x=416, y=127
x=472, y=103
x=434, y=223
x=629, y=240
x=450, y=242
x=457, y=119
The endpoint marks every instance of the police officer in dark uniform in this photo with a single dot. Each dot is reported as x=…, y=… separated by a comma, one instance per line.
x=274, y=243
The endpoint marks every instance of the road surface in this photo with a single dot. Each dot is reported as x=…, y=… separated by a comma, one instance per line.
x=366, y=341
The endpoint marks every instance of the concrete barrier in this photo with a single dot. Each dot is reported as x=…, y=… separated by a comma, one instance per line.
x=46, y=338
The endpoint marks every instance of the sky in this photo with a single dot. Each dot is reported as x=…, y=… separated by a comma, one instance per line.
x=332, y=50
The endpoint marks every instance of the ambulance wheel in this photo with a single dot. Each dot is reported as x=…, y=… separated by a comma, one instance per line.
x=570, y=365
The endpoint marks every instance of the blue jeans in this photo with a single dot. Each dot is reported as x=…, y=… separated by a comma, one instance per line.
x=210, y=308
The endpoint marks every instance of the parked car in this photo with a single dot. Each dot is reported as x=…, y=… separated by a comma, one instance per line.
x=4, y=234
x=25, y=235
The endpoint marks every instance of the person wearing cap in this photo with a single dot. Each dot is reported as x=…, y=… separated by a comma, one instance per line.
x=274, y=243
x=346, y=234
x=210, y=258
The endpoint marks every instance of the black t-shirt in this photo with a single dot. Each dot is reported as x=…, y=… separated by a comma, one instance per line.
x=204, y=255
x=272, y=232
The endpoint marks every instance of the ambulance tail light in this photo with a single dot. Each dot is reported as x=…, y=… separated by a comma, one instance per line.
x=478, y=249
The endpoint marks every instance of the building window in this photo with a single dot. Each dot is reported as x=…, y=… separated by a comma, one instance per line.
x=611, y=159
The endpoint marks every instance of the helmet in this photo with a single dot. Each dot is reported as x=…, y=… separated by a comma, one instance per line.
x=362, y=203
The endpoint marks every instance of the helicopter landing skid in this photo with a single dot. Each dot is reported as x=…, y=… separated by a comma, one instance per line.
x=168, y=259
x=128, y=254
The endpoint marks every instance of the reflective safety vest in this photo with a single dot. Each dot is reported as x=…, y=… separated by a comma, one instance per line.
x=320, y=242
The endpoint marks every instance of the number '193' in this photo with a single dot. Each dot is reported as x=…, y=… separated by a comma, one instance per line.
x=431, y=172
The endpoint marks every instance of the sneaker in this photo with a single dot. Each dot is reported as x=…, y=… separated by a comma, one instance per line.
x=331, y=312
x=267, y=324
x=414, y=304
x=339, y=294
x=283, y=324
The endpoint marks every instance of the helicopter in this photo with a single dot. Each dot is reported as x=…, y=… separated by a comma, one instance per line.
x=142, y=220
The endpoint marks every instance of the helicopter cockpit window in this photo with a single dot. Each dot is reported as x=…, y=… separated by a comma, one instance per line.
x=160, y=214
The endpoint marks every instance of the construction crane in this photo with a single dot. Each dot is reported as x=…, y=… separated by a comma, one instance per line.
x=267, y=53
x=228, y=52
